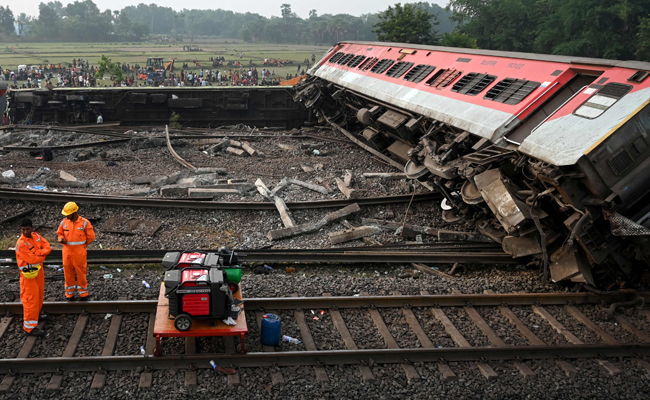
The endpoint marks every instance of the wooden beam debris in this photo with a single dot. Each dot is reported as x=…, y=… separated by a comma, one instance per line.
x=394, y=226
x=234, y=151
x=352, y=234
x=246, y=146
x=313, y=226
x=285, y=214
x=310, y=186
x=347, y=192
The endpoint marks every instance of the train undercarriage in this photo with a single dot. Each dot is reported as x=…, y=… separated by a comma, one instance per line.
x=551, y=216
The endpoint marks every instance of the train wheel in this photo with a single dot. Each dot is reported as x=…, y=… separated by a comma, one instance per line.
x=183, y=322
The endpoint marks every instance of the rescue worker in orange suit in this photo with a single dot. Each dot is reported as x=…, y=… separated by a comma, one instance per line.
x=31, y=250
x=75, y=233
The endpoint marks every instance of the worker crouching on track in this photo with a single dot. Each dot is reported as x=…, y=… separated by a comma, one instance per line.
x=31, y=250
x=75, y=233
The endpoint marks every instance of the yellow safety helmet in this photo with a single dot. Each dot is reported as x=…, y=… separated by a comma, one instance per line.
x=32, y=273
x=69, y=208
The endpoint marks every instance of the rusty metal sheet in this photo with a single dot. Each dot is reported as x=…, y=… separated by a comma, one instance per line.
x=499, y=199
x=131, y=226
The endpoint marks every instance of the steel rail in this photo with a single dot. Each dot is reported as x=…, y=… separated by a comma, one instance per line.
x=292, y=303
x=31, y=195
x=330, y=357
x=369, y=257
x=397, y=247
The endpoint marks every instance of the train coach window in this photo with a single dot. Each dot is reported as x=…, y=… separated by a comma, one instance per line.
x=602, y=100
x=443, y=78
x=473, y=83
x=382, y=66
x=356, y=61
x=399, y=69
x=345, y=59
x=418, y=73
x=511, y=91
x=368, y=63
x=336, y=57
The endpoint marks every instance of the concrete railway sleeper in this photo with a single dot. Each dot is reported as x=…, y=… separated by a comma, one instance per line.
x=438, y=309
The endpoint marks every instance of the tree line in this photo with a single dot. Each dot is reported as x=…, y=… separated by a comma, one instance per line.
x=82, y=21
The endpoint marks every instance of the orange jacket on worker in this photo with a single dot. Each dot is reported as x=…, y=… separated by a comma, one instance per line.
x=30, y=254
x=77, y=235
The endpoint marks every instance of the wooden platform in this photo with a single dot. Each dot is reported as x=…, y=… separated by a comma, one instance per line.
x=164, y=326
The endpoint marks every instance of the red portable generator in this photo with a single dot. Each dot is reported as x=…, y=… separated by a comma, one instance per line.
x=200, y=285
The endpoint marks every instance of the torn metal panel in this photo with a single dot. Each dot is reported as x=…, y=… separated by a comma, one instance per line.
x=570, y=264
x=499, y=199
x=522, y=246
x=625, y=227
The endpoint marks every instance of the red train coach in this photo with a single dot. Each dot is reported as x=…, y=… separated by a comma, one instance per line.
x=547, y=155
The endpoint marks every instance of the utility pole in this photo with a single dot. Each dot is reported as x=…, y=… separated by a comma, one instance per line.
x=192, y=19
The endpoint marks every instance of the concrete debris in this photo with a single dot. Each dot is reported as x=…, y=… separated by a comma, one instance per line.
x=67, y=177
x=352, y=234
x=82, y=155
x=264, y=191
x=146, y=143
x=347, y=179
x=394, y=226
x=146, y=180
x=347, y=192
x=9, y=175
x=174, y=190
x=313, y=226
x=385, y=175
x=237, y=152
x=231, y=181
x=60, y=183
x=281, y=185
x=287, y=147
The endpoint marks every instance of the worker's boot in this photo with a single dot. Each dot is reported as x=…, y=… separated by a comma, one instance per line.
x=84, y=298
x=70, y=298
x=36, y=332
x=42, y=317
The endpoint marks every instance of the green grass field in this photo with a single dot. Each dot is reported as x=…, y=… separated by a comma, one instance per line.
x=137, y=53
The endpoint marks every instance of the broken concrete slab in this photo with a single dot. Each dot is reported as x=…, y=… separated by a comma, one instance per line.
x=242, y=188
x=352, y=234
x=313, y=226
x=174, y=190
x=234, y=151
x=310, y=186
x=67, y=177
x=209, y=192
x=60, y=183
x=263, y=189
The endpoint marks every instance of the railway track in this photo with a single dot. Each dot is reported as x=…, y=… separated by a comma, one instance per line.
x=418, y=312
x=32, y=195
x=434, y=253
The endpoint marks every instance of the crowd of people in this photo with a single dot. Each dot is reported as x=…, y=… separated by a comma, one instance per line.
x=80, y=73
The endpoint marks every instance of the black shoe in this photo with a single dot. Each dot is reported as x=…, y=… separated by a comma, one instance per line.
x=70, y=298
x=36, y=332
x=42, y=318
x=84, y=298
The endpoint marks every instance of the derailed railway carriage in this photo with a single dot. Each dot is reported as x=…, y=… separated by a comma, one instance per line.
x=547, y=155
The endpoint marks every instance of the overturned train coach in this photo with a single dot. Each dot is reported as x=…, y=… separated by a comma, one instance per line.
x=547, y=155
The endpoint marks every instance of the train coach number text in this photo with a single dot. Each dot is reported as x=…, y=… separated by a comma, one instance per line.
x=490, y=63
x=515, y=65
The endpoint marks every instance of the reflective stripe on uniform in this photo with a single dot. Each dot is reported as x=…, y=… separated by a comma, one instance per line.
x=30, y=324
x=17, y=246
x=85, y=223
x=76, y=243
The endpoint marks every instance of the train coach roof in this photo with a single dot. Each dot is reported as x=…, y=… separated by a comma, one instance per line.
x=512, y=54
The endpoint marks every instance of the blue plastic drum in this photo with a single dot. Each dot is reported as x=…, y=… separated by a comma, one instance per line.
x=271, y=330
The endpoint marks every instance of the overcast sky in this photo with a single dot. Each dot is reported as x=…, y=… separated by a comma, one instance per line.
x=263, y=7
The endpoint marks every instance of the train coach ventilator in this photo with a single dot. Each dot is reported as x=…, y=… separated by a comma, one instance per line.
x=200, y=285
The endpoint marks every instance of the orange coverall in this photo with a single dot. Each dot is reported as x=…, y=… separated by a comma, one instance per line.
x=31, y=252
x=78, y=235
